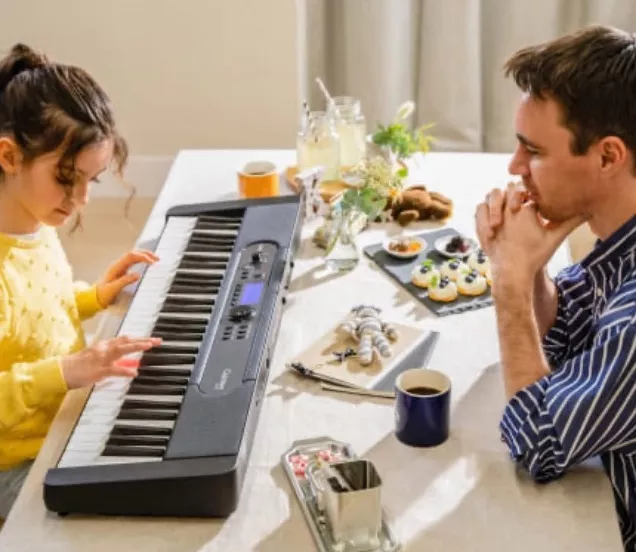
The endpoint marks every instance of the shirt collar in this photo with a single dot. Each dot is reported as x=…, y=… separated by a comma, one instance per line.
x=615, y=246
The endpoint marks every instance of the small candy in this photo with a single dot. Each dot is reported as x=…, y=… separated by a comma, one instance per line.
x=324, y=455
x=299, y=458
x=329, y=456
x=299, y=469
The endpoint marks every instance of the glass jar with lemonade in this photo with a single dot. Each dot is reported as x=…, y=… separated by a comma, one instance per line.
x=318, y=144
x=346, y=111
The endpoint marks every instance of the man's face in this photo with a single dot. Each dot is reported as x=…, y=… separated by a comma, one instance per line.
x=562, y=184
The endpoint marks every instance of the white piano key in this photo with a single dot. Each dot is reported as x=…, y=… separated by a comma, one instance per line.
x=185, y=316
x=102, y=460
x=171, y=343
x=169, y=400
x=215, y=232
x=167, y=424
x=201, y=271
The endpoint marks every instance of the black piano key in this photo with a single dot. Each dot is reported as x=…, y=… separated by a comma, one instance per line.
x=202, y=264
x=169, y=324
x=178, y=336
x=216, y=225
x=166, y=371
x=157, y=389
x=192, y=277
x=172, y=299
x=208, y=282
x=157, y=359
x=210, y=241
x=163, y=379
x=166, y=349
x=226, y=217
x=138, y=440
x=197, y=278
x=124, y=450
x=120, y=429
x=137, y=404
x=144, y=414
x=200, y=248
x=194, y=288
x=186, y=309
x=205, y=246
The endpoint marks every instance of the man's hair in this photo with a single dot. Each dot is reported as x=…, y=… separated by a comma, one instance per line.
x=591, y=74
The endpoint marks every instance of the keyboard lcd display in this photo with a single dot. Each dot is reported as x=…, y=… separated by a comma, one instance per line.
x=251, y=293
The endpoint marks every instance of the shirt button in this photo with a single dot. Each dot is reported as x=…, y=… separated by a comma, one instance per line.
x=599, y=292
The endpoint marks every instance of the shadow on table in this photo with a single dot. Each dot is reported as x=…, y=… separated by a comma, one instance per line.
x=293, y=534
x=289, y=385
x=464, y=486
x=316, y=276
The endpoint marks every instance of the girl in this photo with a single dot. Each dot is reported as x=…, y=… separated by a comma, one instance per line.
x=57, y=134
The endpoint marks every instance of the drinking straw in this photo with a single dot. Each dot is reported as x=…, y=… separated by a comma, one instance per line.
x=328, y=97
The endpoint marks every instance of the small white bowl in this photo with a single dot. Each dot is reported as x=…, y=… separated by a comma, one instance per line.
x=442, y=243
x=407, y=254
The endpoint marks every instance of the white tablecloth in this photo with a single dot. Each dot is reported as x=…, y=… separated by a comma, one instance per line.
x=463, y=495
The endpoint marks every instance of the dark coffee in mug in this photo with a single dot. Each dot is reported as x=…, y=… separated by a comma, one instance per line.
x=422, y=407
x=421, y=390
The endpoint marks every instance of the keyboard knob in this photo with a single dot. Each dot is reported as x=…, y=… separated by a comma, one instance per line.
x=241, y=313
x=257, y=257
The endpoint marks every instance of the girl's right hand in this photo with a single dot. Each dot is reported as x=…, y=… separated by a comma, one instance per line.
x=98, y=361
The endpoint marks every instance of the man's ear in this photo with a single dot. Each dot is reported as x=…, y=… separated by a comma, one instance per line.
x=613, y=153
x=10, y=155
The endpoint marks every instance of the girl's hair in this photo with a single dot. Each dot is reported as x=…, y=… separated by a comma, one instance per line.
x=46, y=107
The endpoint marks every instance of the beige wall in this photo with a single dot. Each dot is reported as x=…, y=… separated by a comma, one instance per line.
x=181, y=73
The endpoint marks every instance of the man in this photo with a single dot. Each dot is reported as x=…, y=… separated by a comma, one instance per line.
x=568, y=347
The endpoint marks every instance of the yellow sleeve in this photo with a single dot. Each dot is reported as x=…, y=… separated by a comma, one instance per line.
x=24, y=386
x=86, y=299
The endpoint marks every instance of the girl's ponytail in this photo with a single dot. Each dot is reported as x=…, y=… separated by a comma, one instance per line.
x=21, y=58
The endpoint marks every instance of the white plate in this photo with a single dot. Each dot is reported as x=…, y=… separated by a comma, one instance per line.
x=406, y=255
x=441, y=243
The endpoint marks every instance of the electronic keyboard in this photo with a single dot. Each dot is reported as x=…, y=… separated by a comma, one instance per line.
x=175, y=440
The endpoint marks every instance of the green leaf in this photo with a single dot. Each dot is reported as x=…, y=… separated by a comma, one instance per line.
x=403, y=172
x=400, y=140
x=428, y=263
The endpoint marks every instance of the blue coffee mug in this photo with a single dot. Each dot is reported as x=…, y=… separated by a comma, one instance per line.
x=422, y=407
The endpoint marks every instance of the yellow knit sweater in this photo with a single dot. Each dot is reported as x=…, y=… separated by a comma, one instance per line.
x=41, y=310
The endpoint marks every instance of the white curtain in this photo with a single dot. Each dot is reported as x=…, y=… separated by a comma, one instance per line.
x=446, y=55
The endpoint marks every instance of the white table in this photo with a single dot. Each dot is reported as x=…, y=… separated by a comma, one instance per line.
x=464, y=495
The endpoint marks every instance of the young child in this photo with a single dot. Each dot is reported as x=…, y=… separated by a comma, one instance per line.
x=57, y=134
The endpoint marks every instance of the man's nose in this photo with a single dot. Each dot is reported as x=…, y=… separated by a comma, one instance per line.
x=518, y=165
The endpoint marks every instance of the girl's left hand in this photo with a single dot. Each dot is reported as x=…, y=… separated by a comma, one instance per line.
x=117, y=276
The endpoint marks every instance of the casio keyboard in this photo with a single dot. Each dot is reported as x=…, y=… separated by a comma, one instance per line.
x=175, y=440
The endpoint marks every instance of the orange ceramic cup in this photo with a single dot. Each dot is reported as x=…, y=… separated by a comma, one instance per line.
x=258, y=179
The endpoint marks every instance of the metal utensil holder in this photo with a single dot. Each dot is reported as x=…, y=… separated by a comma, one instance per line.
x=349, y=493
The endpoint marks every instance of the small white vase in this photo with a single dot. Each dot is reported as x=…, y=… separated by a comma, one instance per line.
x=374, y=150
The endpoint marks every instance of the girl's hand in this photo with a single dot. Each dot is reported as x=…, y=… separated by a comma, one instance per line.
x=117, y=276
x=99, y=361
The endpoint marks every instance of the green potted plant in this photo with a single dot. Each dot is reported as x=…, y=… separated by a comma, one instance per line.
x=395, y=142
x=375, y=183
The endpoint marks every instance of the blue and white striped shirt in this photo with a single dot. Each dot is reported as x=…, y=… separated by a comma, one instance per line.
x=586, y=406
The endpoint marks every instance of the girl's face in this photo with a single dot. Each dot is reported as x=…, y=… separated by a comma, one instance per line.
x=34, y=187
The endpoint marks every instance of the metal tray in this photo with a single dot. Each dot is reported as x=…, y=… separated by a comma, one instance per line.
x=328, y=450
